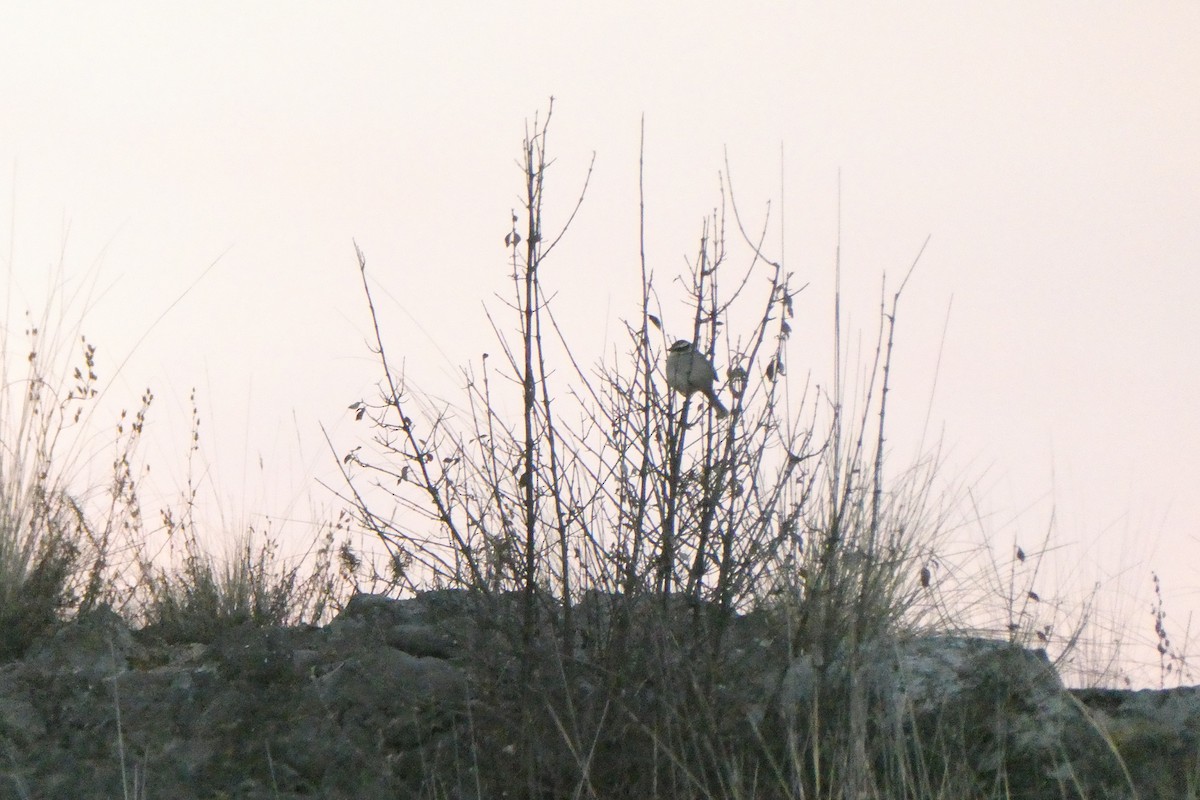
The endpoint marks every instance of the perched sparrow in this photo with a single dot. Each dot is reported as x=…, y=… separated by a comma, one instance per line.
x=689, y=371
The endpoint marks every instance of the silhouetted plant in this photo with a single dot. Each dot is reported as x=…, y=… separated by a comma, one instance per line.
x=633, y=534
x=193, y=594
x=54, y=555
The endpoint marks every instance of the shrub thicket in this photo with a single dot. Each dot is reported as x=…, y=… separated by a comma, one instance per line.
x=630, y=549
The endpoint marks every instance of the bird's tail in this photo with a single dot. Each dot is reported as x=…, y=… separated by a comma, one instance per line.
x=718, y=406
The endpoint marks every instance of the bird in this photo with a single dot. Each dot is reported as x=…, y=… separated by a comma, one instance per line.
x=688, y=371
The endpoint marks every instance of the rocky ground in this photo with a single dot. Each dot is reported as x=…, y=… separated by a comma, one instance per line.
x=384, y=702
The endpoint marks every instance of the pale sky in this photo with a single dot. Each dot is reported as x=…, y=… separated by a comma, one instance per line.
x=1050, y=151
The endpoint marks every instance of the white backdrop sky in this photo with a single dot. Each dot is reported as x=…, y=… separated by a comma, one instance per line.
x=1051, y=151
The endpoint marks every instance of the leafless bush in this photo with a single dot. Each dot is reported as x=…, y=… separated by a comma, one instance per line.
x=631, y=525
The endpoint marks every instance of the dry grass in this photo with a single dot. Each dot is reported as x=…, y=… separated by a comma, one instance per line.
x=53, y=560
x=66, y=549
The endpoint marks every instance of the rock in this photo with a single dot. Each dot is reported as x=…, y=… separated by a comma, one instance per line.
x=1157, y=734
x=432, y=624
x=392, y=700
x=250, y=653
x=373, y=607
x=97, y=645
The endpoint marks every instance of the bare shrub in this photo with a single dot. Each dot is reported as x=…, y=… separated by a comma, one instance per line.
x=630, y=546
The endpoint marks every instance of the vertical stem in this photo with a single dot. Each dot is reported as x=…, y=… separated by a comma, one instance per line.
x=533, y=176
x=630, y=579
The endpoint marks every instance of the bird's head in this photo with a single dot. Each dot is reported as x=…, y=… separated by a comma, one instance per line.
x=681, y=346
